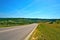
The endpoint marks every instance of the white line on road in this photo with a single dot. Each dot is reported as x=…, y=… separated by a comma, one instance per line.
x=9, y=30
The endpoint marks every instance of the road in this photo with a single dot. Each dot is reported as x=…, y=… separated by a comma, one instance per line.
x=16, y=33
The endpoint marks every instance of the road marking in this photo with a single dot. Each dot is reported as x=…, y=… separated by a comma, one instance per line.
x=9, y=30
x=14, y=28
x=27, y=38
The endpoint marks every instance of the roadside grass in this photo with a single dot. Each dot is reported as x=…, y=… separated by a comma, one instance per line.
x=46, y=31
x=35, y=35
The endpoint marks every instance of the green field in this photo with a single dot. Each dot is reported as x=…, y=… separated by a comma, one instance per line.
x=47, y=31
x=9, y=22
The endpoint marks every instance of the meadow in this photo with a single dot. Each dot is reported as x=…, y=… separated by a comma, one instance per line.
x=9, y=22
x=47, y=31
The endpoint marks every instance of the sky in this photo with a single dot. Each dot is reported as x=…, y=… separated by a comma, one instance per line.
x=45, y=9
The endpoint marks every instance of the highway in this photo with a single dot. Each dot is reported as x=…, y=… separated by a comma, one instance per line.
x=17, y=32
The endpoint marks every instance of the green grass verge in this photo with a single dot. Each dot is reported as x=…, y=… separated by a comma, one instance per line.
x=46, y=32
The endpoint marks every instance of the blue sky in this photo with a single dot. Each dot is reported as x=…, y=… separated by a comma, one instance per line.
x=30, y=9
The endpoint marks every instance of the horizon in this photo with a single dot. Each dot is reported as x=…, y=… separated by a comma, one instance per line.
x=41, y=9
x=29, y=18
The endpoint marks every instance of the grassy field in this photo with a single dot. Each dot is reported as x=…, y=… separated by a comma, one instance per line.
x=9, y=22
x=46, y=31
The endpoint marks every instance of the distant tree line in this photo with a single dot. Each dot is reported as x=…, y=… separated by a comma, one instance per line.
x=21, y=21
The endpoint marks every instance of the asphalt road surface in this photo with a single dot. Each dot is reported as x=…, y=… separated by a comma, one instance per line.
x=16, y=33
